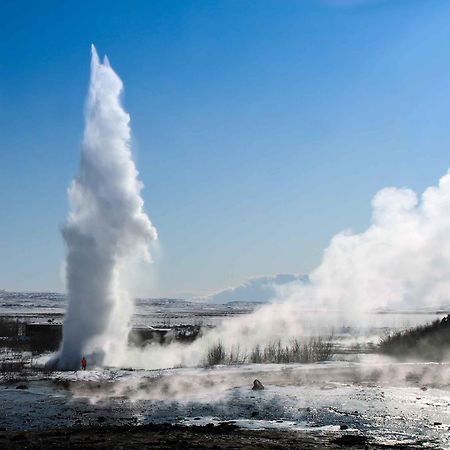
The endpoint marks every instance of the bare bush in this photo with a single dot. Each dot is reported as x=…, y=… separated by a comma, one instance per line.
x=216, y=355
x=236, y=355
x=256, y=355
x=308, y=351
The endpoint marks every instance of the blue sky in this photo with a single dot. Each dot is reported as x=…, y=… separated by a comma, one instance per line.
x=260, y=128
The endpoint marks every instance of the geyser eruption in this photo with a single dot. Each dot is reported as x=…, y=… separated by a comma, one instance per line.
x=106, y=228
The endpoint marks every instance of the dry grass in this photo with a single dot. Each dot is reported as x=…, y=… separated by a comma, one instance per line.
x=296, y=351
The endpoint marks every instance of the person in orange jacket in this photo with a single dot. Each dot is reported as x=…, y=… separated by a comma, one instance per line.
x=83, y=363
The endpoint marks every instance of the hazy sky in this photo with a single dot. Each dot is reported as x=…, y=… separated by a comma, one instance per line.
x=261, y=128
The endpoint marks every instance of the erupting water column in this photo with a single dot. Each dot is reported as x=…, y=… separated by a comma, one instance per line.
x=106, y=229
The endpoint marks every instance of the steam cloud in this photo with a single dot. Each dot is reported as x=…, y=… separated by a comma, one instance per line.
x=402, y=261
x=106, y=228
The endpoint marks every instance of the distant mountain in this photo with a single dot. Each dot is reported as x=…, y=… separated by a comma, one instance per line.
x=258, y=289
x=172, y=302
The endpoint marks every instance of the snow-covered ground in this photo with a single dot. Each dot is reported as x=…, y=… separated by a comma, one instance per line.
x=41, y=306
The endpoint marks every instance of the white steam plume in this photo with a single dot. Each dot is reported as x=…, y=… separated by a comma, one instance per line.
x=401, y=261
x=106, y=228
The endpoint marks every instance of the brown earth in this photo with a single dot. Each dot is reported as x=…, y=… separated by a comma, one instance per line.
x=166, y=436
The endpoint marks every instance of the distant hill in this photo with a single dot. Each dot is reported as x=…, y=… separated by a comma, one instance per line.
x=172, y=302
x=258, y=289
x=429, y=342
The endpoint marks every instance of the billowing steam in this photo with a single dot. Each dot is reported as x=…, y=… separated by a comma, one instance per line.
x=401, y=261
x=106, y=228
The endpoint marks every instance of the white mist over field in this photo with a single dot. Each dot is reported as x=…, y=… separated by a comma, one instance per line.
x=401, y=261
x=106, y=229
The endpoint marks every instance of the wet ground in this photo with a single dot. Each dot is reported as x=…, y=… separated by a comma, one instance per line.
x=180, y=437
x=381, y=403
